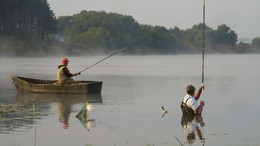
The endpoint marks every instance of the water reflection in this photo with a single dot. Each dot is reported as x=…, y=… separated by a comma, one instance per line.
x=22, y=115
x=193, y=125
x=82, y=116
x=64, y=110
x=14, y=117
x=25, y=97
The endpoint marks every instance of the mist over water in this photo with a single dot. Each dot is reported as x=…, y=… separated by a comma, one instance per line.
x=128, y=111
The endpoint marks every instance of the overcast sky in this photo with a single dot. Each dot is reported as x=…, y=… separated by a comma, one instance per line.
x=242, y=16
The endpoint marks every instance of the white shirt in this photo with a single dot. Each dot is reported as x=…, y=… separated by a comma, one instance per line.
x=191, y=102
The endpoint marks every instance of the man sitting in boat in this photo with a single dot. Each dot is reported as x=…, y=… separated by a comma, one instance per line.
x=63, y=73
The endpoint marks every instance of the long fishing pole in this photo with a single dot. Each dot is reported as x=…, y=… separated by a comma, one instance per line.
x=203, y=42
x=129, y=46
x=203, y=52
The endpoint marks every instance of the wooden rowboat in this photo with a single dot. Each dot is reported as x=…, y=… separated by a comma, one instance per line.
x=51, y=86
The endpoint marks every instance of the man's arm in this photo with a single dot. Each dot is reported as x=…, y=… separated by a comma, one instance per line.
x=67, y=72
x=200, y=108
x=197, y=95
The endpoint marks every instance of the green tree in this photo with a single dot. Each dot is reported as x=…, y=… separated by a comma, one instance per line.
x=26, y=18
x=118, y=30
x=225, y=36
x=96, y=38
x=111, y=31
x=256, y=42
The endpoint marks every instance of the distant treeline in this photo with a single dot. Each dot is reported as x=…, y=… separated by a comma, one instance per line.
x=27, y=19
x=93, y=32
x=104, y=32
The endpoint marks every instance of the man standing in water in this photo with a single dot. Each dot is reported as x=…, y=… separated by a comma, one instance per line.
x=63, y=73
x=189, y=104
x=190, y=125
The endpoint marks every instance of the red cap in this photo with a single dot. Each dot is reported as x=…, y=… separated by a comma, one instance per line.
x=64, y=60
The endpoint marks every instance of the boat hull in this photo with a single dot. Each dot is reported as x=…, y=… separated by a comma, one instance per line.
x=51, y=86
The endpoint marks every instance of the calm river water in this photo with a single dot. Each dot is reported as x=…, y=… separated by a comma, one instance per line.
x=128, y=111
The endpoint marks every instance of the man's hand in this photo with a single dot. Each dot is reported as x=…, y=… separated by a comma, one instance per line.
x=202, y=86
x=75, y=74
x=202, y=103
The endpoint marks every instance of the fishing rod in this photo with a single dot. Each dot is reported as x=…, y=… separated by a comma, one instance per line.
x=129, y=46
x=203, y=42
x=203, y=52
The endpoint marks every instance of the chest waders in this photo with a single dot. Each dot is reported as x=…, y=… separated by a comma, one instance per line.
x=186, y=110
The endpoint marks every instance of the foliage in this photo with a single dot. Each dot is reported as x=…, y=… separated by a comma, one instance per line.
x=98, y=29
x=26, y=18
x=224, y=36
x=111, y=31
x=105, y=32
x=256, y=42
x=101, y=32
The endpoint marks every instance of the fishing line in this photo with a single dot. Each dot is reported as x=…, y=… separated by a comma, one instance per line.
x=127, y=47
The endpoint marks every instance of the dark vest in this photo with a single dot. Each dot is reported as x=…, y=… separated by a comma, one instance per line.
x=185, y=109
